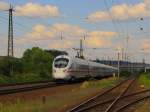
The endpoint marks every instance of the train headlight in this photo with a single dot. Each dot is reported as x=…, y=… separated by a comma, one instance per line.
x=54, y=71
x=64, y=70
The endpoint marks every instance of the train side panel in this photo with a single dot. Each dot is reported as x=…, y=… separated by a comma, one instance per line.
x=79, y=68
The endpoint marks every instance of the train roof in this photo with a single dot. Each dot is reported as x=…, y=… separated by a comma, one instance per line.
x=85, y=61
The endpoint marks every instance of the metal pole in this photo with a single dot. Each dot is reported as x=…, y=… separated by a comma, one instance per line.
x=10, y=52
x=81, y=48
x=144, y=65
x=118, y=65
x=10, y=33
x=122, y=54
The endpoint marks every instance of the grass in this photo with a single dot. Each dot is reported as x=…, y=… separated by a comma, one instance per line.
x=145, y=80
x=20, y=78
x=61, y=100
x=101, y=83
x=143, y=107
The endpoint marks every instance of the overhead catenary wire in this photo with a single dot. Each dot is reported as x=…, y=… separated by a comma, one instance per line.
x=114, y=21
x=24, y=28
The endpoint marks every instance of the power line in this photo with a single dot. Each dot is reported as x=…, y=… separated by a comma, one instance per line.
x=114, y=21
x=4, y=19
x=117, y=20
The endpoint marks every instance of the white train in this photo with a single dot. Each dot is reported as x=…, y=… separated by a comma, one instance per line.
x=71, y=68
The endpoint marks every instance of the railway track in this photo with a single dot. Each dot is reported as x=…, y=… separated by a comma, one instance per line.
x=23, y=87
x=111, y=101
x=24, y=83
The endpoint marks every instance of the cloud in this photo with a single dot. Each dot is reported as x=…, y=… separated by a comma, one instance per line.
x=98, y=16
x=68, y=29
x=37, y=10
x=4, y=5
x=100, y=38
x=122, y=12
x=98, y=42
x=147, y=2
x=102, y=34
x=61, y=44
x=69, y=32
x=40, y=32
x=145, y=44
x=33, y=10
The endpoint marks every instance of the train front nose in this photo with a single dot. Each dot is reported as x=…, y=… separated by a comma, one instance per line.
x=60, y=66
x=60, y=74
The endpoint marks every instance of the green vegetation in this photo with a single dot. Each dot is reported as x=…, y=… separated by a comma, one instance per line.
x=143, y=106
x=21, y=78
x=125, y=74
x=101, y=83
x=145, y=79
x=35, y=65
x=37, y=61
x=9, y=64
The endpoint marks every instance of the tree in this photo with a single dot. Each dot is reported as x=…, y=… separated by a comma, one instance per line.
x=37, y=61
x=56, y=52
x=10, y=65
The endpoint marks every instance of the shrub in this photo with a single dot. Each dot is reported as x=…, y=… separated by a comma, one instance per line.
x=145, y=79
x=125, y=74
x=9, y=65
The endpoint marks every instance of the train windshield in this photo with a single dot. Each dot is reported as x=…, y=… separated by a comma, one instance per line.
x=61, y=63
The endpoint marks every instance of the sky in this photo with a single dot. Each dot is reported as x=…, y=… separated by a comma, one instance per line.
x=110, y=26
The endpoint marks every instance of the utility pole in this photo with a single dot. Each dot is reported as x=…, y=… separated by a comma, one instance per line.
x=118, y=64
x=10, y=33
x=10, y=50
x=144, y=65
x=122, y=50
x=81, y=48
x=61, y=36
x=126, y=48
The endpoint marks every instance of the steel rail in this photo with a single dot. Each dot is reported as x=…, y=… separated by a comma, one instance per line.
x=131, y=103
x=24, y=83
x=119, y=97
x=111, y=100
x=29, y=88
x=77, y=108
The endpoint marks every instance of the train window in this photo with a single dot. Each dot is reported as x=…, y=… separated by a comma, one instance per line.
x=61, y=63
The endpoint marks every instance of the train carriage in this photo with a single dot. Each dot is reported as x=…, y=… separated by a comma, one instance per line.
x=69, y=68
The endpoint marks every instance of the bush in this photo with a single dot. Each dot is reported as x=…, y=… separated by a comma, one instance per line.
x=37, y=61
x=101, y=83
x=35, y=65
x=9, y=65
x=4, y=79
x=145, y=79
x=125, y=74
x=21, y=78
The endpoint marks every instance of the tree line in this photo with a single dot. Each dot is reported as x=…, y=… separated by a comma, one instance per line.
x=35, y=60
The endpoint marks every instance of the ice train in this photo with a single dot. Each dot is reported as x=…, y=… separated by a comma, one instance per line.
x=71, y=68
